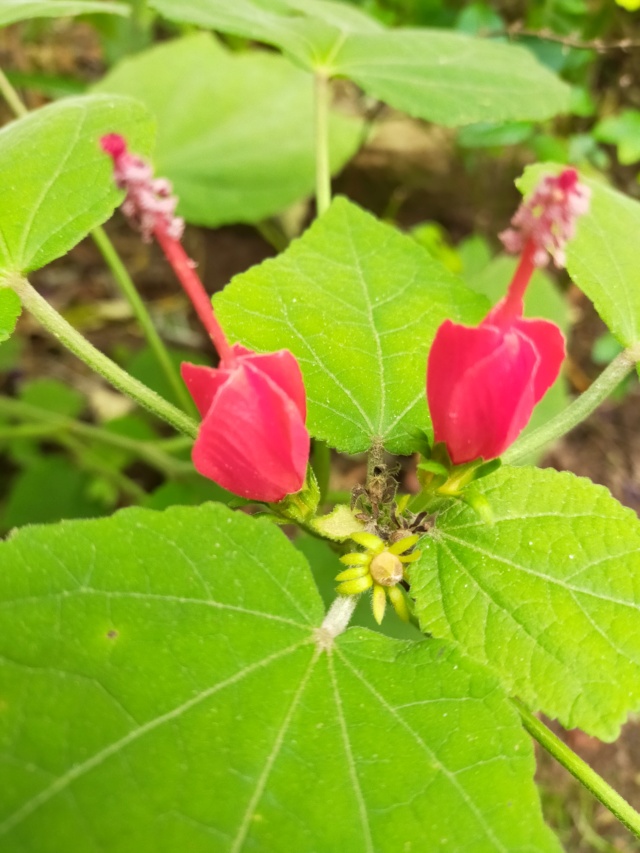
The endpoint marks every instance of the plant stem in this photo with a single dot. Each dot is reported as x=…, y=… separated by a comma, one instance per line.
x=323, y=169
x=609, y=798
x=49, y=423
x=94, y=465
x=128, y=288
x=581, y=408
x=183, y=267
x=11, y=96
x=321, y=462
x=119, y=378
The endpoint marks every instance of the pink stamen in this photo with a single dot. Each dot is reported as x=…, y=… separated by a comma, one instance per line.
x=547, y=220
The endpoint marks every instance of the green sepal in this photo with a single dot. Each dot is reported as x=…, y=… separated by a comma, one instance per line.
x=302, y=505
x=338, y=525
x=487, y=468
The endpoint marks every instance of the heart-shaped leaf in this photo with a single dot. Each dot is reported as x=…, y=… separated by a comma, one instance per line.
x=167, y=686
x=549, y=596
x=358, y=304
x=235, y=130
x=57, y=184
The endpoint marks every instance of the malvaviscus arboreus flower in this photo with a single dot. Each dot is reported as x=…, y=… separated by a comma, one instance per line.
x=484, y=381
x=380, y=567
x=252, y=440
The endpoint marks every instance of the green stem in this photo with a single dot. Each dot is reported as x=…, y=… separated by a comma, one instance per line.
x=323, y=169
x=609, y=798
x=128, y=288
x=94, y=465
x=11, y=96
x=270, y=231
x=78, y=345
x=581, y=408
x=321, y=463
x=50, y=423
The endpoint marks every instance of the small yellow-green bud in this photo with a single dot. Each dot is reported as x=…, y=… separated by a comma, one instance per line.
x=352, y=573
x=396, y=597
x=378, y=603
x=355, y=586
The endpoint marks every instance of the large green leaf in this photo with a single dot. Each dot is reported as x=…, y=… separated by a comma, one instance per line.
x=451, y=78
x=166, y=686
x=235, y=131
x=549, y=596
x=602, y=259
x=56, y=182
x=446, y=77
x=21, y=10
x=358, y=303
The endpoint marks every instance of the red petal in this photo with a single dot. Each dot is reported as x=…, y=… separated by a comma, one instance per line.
x=549, y=343
x=283, y=369
x=253, y=440
x=480, y=388
x=203, y=383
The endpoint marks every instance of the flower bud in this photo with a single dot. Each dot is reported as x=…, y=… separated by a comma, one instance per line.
x=253, y=440
x=483, y=381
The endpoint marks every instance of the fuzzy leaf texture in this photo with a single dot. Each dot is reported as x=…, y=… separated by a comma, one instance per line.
x=167, y=693
x=602, y=259
x=56, y=182
x=358, y=303
x=440, y=76
x=23, y=10
x=235, y=130
x=548, y=597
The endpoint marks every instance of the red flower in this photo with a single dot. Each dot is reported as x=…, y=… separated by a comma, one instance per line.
x=483, y=381
x=253, y=440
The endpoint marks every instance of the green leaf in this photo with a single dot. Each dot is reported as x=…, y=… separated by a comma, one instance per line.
x=53, y=395
x=56, y=182
x=445, y=77
x=548, y=596
x=51, y=488
x=451, y=78
x=623, y=131
x=358, y=304
x=602, y=258
x=21, y=10
x=235, y=130
x=10, y=310
x=308, y=30
x=166, y=687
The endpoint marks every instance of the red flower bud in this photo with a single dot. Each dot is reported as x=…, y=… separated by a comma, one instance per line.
x=253, y=440
x=483, y=382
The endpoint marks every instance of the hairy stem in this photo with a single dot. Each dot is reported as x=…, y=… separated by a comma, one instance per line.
x=323, y=169
x=78, y=345
x=581, y=408
x=49, y=423
x=321, y=462
x=609, y=798
x=128, y=288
